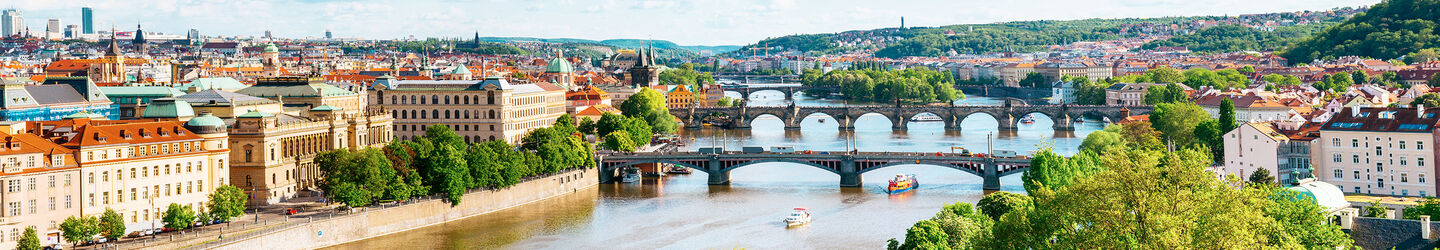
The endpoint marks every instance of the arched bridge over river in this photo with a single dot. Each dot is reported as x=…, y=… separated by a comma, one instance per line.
x=848, y=165
x=1008, y=115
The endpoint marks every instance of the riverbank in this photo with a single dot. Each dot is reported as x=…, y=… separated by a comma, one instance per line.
x=379, y=222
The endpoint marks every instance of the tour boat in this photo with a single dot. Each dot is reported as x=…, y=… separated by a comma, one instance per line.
x=925, y=118
x=632, y=175
x=1027, y=119
x=1079, y=120
x=902, y=183
x=822, y=120
x=679, y=170
x=799, y=216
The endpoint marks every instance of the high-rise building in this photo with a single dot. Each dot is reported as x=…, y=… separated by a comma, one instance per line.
x=87, y=19
x=52, y=28
x=267, y=35
x=193, y=35
x=12, y=22
x=328, y=35
x=72, y=31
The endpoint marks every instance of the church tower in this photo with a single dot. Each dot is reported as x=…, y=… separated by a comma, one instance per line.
x=140, y=44
x=644, y=73
x=111, y=68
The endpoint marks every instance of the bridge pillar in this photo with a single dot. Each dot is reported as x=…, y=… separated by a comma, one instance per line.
x=846, y=123
x=951, y=122
x=717, y=174
x=849, y=175
x=1008, y=122
x=992, y=176
x=900, y=122
x=1064, y=123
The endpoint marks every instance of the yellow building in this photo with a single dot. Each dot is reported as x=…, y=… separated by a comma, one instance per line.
x=492, y=109
x=679, y=97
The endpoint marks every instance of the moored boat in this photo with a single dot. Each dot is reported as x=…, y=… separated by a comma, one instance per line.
x=902, y=183
x=798, y=216
x=632, y=175
x=1028, y=119
x=679, y=170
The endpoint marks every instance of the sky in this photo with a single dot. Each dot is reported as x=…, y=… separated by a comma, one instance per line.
x=687, y=22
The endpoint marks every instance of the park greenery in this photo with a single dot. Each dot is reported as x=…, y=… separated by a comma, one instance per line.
x=649, y=105
x=1233, y=38
x=178, y=216
x=913, y=85
x=686, y=75
x=82, y=228
x=1387, y=30
x=227, y=202
x=1128, y=190
x=442, y=163
x=29, y=240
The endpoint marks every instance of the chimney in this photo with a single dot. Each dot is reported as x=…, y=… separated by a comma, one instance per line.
x=1425, y=227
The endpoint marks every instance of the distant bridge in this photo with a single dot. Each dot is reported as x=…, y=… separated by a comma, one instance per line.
x=1008, y=115
x=848, y=166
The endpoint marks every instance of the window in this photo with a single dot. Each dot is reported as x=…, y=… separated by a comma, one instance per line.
x=1380, y=183
x=67, y=201
x=14, y=209
x=132, y=173
x=52, y=203
x=1402, y=161
x=1379, y=167
x=1339, y=173
x=14, y=186
x=1420, y=177
x=1357, y=174
x=1402, y=144
x=1377, y=152
x=30, y=185
x=52, y=181
x=105, y=197
x=105, y=176
x=31, y=208
x=1354, y=143
x=1404, y=178
x=67, y=180
x=119, y=196
x=1336, y=157
x=1355, y=158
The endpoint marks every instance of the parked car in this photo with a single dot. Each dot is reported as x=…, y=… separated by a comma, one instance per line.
x=1004, y=153
x=291, y=211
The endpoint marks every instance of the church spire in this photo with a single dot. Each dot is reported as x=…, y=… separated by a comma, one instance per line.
x=114, y=46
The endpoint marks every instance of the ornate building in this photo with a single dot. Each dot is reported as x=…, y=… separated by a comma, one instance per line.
x=109, y=70
x=492, y=109
x=560, y=72
x=645, y=74
x=274, y=152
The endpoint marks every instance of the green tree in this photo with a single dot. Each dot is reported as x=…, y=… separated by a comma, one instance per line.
x=1262, y=177
x=1227, y=116
x=228, y=202
x=1359, y=77
x=1140, y=135
x=449, y=174
x=1165, y=94
x=112, y=226
x=639, y=130
x=1165, y=75
x=610, y=123
x=619, y=141
x=926, y=234
x=354, y=178
x=1434, y=80
x=1049, y=170
x=650, y=105
x=1374, y=210
x=1099, y=140
x=725, y=102
x=997, y=204
x=1248, y=70
x=1176, y=122
x=29, y=240
x=178, y=217
x=79, y=229
x=1429, y=206
x=1033, y=80
x=1424, y=55
x=1429, y=100
x=587, y=126
x=1208, y=133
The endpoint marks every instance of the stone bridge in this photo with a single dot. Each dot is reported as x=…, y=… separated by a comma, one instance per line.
x=788, y=90
x=849, y=166
x=1008, y=115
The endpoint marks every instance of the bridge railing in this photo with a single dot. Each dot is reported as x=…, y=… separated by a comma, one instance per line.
x=817, y=153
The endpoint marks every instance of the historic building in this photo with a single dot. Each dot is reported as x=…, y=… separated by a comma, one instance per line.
x=1383, y=151
x=57, y=97
x=644, y=73
x=40, y=186
x=492, y=109
x=135, y=167
x=560, y=72
x=274, y=151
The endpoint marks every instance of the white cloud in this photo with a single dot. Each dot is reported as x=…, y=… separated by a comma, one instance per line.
x=684, y=21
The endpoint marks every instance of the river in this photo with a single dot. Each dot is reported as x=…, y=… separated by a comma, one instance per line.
x=682, y=212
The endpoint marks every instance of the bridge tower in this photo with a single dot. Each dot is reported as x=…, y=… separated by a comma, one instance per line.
x=739, y=121
x=793, y=122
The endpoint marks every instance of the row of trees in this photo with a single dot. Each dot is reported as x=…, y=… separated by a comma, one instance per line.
x=226, y=203
x=1232, y=38
x=442, y=163
x=913, y=85
x=686, y=75
x=1125, y=190
x=1389, y=29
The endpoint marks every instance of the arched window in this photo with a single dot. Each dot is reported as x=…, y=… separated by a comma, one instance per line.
x=249, y=153
x=447, y=99
x=412, y=99
x=492, y=98
x=435, y=114
x=492, y=114
x=466, y=99
x=434, y=99
x=447, y=112
x=492, y=138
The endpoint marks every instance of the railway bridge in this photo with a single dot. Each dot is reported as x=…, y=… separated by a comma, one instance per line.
x=848, y=165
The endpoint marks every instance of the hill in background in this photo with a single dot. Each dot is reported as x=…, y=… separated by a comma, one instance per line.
x=1388, y=30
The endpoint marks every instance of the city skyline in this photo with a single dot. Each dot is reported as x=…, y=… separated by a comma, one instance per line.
x=683, y=22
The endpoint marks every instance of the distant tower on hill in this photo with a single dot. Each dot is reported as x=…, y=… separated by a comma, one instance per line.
x=902, y=22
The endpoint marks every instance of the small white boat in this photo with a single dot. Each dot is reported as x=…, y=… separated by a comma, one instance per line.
x=632, y=175
x=799, y=216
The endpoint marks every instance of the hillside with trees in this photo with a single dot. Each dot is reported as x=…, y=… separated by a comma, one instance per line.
x=1390, y=29
x=1231, y=38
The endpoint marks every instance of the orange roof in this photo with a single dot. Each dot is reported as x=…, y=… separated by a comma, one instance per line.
x=86, y=132
x=598, y=110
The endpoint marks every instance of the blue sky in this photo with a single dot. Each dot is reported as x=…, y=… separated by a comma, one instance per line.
x=688, y=22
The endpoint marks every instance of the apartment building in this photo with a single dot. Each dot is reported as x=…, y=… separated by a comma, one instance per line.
x=483, y=110
x=1385, y=151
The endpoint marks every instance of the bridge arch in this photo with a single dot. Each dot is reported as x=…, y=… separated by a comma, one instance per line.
x=633, y=163
x=835, y=169
x=978, y=169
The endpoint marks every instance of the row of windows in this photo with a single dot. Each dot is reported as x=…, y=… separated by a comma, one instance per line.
x=1404, y=192
x=1404, y=176
x=1419, y=161
x=14, y=185
x=14, y=207
x=1355, y=143
x=448, y=114
x=436, y=99
x=185, y=147
x=148, y=171
x=463, y=127
x=148, y=192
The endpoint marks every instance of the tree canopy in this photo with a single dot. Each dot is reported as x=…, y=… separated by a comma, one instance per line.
x=913, y=85
x=1387, y=30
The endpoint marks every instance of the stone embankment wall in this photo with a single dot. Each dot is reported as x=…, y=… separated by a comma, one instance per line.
x=378, y=222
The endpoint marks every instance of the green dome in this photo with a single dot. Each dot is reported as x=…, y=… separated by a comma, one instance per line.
x=168, y=108
x=256, y=114
x=559, y=65
x=460, y=70
x=205, y=120
x=77, y=115
x=270, y=48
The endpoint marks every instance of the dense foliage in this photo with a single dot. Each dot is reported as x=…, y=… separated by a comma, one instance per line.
x=442, y=163
x=227, y=202
x=686, y=75
x=29, y=240
x=650, y=105
x=1232, y=38
x=1389, y=29
x=79, y=229
x=913, y=85
x=112, y=226
x=178, y=216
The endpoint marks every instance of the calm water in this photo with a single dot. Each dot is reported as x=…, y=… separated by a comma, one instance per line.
x=682, y=212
